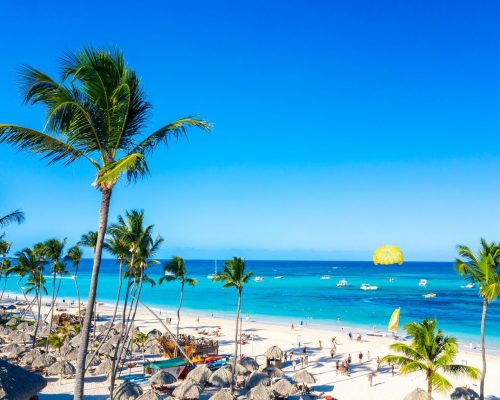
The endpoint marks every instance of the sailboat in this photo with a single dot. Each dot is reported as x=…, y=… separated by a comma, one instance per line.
x=212, y=276
x=394, y=321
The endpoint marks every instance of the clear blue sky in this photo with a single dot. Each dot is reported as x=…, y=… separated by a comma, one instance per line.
x=340, y=125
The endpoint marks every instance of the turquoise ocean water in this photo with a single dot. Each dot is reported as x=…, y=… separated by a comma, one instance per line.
x=302, y=296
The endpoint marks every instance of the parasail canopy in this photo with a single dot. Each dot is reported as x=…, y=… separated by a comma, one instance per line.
x=388, y=255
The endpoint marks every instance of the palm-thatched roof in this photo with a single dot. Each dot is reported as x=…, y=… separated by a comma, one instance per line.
x=273, y=372
x=18, y=384
x=222, y=377
x=283, y=388
x=464, y=393
x=106, y=349
x=201, y=374
x=127, y=391
x=222, y=394
x=43, y=361
x=149, y=395
x=154, y=333
x=256, y=378
x=72, y=355
x=188, y=390
x=10, y=348
x=23, y=326
x=260, y=392
x=65, y=349
x=11, y=321
x=62, y=368
x=154, y=348
x=250, y=364
x=101, y=328
x=162, y=378
x=304, y=377
x=274, y=353
x=417, y=394
x=76, y=340
x=4, y=331
x=105, y=367
x=29, y=356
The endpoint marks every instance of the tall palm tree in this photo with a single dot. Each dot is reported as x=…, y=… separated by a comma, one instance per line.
x=234, y=275
x=74, y=255
x=89, y=239
x=482, y=269
x=16, y=216
x=429, y=352
x=97, y=112
x=175, y=270
x=6, y=264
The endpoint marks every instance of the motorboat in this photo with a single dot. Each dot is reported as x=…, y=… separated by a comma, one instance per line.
x=259, y=279
x=429, y=295
x=367, y=286
x=342, y=283
x=391, y=280
x=325, y=277
x=468, y=286
x=279, y=277
x=422, y=282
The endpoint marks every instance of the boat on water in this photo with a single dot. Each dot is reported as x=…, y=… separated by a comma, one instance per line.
x=391, y=279
x=212, y=276
x=422, y=282
x=259, y=279
x=325, y=277
x=367, y=286
x=342, y=283
x=429, y=295
x=468, y=286
x=279, y=277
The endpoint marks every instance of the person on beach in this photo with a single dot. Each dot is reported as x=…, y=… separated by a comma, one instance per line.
x=334, y=341
x=337, y=366
x=368, y=356
x=294, y=364
x=378, y=363
x=332, y=353
x=392, y=369
x=304, y=350
x=370, y=379
x=360, y=357
x=292, y=326
x=302, y=362
x=349, y=359
x=350, y=335
x=306, y=360
x=320, y=346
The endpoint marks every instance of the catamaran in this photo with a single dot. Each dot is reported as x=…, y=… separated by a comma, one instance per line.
x=342, y=283
x=212, y=276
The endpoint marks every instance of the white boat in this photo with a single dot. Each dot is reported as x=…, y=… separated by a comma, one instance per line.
x=259, y=279
x=468, y=286
x=212, y=276
x=342, y=283
x=279, y=277
x=324, y=277
x=391, y=279
x=422, y=282
x=367, y=286
x=429, y=295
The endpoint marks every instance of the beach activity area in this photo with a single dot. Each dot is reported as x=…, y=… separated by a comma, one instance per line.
x=250, y=200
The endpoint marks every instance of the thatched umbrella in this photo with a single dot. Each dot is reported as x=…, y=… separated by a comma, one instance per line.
x=95, y=362
x=106, y=349
x=464, y=393
x=105, y=367
x=256, y=378
x=250, y=364
x=11, y=321
x=417, y=394
x=188, y=390
x=149, y=395
x=283, y=388
x=154, y=349
x=18, y=384
x=15, y=353
x=162, y=378
x=127, y=391
x=4, y=331
x=19, y=337
x=274, y=353
x=29, y=356
x=62, y=368
x=240, y=369
x=201, y=374
x=30, y=329
x=101, y=329
x=114, y=339
x=65, y=349
x=72, y=355
x=10, y=348
x=154, y=333
x=43, y=361
x=273, y=372
x=118, y=327
x=76, y=340
x=304, y=377
x=260, y=392
x=23, y=326
x=222, y=394
x=222, y=377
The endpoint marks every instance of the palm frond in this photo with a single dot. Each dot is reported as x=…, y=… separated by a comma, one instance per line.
x=134, y=165
x=16, y=216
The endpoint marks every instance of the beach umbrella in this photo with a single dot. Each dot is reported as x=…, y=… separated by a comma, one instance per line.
x=388, y=255
x=118, y=327
x=417, y=394
x=222, y=394
x=106, y=349
x=76, y=340
x=464, y=393
x=149, y=395
x=72, y=355
x=101, y=329
x=304, y=377
x=260, y=392
x=94, y=363
x=13, y=351
x=222, y=377
x=23, y=326
x=114, y=339
x=201, y=374
x=154, y=333
x=240, y=369
x=105, y=367
x=43, y=361
x=10, y=347
x=61, y=368
x=30, y=329
x=154, y=349
x=19, y=337
x=18, y=384
x=30, y=356
x=283, y=388
x=127, y=391
x=250, y=364
x=187, y=390
x=65, y=349
x=257, y=378
x=162, y=378
x=4, y=331
x=11, y=321
x=272, y=371
x=274, y=353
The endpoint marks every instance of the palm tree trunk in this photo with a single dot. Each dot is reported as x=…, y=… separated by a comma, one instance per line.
x=483, y=351
x=24, y=295
x=85, y=331
x=236, y=342
x=51, y=312
x=37, y=321
x=429, y=385
x=179, y=315
x=77, y=288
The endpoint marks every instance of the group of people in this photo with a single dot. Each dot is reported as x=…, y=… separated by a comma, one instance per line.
x=303, y=359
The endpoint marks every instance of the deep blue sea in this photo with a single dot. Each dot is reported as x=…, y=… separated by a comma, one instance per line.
x=302, y=296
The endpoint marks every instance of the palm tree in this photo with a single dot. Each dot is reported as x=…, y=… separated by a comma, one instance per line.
x=429, y=352
x=175, y=270
x=140, y=338
x=56, y=341
x=234, y=275
x=6, y=264
x=89, y=239
x=75, y=256
x=96, y=112
x=16, y=216
x=482, y=269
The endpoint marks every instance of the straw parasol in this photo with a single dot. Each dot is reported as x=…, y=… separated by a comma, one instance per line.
x=250, y=364
x=149, y=395
x=201, y=374
x=114, y=339
x=127, y=391
x=43, y=361
x=154, y=349
x=464, y=393
x=11, y=321
x=240, y=369
x=222, y=377
x=105, y=367
x=23, y=326
x=154, y=333
x=62, y=368
x=18, y=384
x=417, y=394
x=15, y=353
x=188, y=390
x=19, y=337
x=10, y=348
x=4, y=331
x=29, y=356
x=106, y=349
x=283, y=388
x=65, y=349
x=76, y=340
x=162, y=378
x=274, y=353
x=222, y=394
x=260, y=392
x=272, y=371
x=72, y=355
x=304, y=377
x=101, y=329
x=257, y=378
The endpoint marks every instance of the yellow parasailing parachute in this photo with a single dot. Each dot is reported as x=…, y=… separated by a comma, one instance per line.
x=388, y=255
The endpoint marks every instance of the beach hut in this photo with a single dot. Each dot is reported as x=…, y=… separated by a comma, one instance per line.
x=274, y=355
x=222, y=394
x=43, y=361
x=464, y=393
x=149, y=395
x=201, y=374
x=417, y=394
x=257, y=378
x=273, y=372
x=283, y=388
x=127, y=391
x=18, y=384
x=62, y=368
x=260, y=392
x=222, y=377
x=162, y=379
x=250, y=364
x=188, y=390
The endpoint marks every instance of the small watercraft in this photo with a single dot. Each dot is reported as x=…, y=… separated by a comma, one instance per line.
x=342, y=283
x=468, y=286
x=422, y=282
x=391, y=279
x=259, y=279
x=212, y=276
x=324, y=277
x=429, y=295
x=279, y=277
x=367, y=286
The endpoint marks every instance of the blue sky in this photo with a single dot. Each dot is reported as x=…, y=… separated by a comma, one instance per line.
x=339, y=126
